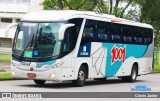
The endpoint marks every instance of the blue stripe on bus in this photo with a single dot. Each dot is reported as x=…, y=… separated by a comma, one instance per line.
x=136, y=51
x=16, y=60
x=44, y=63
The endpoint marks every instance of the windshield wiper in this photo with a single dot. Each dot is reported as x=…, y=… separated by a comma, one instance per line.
x=30, y=43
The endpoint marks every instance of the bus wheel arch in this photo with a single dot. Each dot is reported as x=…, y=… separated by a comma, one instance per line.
x=135, y=65
x=82, y=75
x=133, y=75
x=86, y=67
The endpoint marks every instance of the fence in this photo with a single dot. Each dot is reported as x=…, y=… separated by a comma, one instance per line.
x=5, y=50
x=157, y=55
x=6, y=42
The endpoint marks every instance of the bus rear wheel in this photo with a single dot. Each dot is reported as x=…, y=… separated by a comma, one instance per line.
x=81, y=79
x=39, y=82
x=133, y=76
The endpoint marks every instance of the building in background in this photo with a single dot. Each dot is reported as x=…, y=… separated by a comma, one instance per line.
x=11, y=11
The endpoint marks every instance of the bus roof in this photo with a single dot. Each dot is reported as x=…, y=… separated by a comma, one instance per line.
x=62, y=15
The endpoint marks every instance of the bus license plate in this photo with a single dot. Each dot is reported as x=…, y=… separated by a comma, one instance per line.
x=31, y=75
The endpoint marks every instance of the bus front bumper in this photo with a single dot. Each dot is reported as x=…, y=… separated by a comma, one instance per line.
x=52, y=75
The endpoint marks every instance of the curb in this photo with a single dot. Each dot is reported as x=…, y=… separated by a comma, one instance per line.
x=154, y=72
x=5, y=72
x=1, y=79
x=12, y=79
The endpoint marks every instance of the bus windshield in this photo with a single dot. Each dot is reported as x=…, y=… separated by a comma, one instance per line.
x=37, y=40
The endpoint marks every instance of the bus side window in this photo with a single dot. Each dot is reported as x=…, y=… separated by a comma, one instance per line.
x=127, y=31
x=137, y=35
x=89, y=32
x=116, y=33
x=102, y=29
x=71, y=35
x=148, y=33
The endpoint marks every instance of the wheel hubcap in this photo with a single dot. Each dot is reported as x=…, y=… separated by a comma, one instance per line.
x=134, y=74
x=81, y=75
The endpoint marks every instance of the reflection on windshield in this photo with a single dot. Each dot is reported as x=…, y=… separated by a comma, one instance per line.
x=47, y=39
x=24, y=37
x=37, y=39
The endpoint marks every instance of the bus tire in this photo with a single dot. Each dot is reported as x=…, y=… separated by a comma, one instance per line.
x=100, y=79
x=81, y=79
x=133, y=76
x=39, y=82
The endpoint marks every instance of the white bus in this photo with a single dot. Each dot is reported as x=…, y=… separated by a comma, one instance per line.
x=79, y=45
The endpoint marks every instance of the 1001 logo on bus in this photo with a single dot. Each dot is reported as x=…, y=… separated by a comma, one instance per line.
x=118, y=54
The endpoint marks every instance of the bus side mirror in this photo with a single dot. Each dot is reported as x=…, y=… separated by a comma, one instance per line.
x=63, y=29
x=9, y=27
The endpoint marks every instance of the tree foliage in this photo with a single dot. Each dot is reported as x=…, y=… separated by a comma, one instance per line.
x=146, y=11
x=150, y=13
x=103, y=6
x=88, y=5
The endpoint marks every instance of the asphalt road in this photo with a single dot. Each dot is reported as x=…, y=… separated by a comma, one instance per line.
x=110, y=85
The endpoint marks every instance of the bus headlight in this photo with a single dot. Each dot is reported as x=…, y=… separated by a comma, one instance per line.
x=15, y=64
x=13, y=73
x=54, y=66
x=52, y=76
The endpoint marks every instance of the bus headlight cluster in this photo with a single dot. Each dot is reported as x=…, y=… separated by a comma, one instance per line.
x=14, y=64
x=54, y=66
x=13, y=73
x=52, y=76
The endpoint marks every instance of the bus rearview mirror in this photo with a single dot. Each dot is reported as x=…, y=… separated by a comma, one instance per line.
x=63, y=29
x=9, y=27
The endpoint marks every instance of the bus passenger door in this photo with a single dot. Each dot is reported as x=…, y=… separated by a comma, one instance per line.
x=69, y=43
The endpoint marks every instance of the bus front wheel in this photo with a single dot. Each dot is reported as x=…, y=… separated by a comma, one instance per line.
x=81, y=79
x=39, y=82
x=100, y=79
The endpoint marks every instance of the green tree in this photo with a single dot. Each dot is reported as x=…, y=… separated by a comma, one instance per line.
x=102, y=6
x=119, y=7
x=150, y=13
x=53, y=4
x=87, y=5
